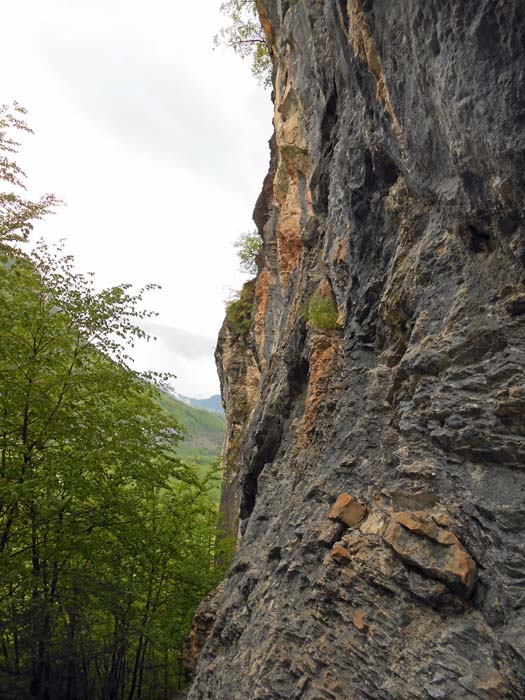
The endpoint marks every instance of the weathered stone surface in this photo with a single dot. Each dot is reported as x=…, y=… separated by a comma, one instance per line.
x=200, y=631
x=359, y=620
x=340, y=554
x=239, y=377
x=417, y=539
x=330, y=532
x=397, y=185
x=432, y=592
x=347, y=510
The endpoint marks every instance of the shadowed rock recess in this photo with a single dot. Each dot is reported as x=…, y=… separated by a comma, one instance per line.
x=380, y=463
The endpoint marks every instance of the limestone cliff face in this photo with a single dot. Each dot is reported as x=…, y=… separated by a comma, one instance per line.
x=240, y=380
x=381, y=465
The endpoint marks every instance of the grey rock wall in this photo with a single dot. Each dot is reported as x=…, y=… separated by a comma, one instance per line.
x=396, y=194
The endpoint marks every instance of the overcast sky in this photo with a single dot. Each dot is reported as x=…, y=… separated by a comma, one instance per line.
x=157, y=143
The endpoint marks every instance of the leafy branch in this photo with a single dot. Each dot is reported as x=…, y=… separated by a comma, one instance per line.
x=246, y=37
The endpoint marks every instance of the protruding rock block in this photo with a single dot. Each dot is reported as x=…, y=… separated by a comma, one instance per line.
x=347, y=510
x=340, y=553
x=437, y=552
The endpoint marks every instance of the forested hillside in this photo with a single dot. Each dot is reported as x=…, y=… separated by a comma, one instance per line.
x=204, y=430
x=212, y=403
x=203, y=437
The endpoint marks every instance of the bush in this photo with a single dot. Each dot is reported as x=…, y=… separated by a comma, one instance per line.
x=322, y=313
x=239, y=311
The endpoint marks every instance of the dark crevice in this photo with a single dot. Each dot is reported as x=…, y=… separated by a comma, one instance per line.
x=475, y=239
x=329, y=120
x=479, y=241
x=343, y=12
x=385, y=168
x=298, y=378
x=320, y=182
x=267, y=443
x=360, y=197
x=274, y=554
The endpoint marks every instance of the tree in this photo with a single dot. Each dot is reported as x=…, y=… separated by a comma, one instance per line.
x=246, y=37
x=248, y=246
x=106, y=538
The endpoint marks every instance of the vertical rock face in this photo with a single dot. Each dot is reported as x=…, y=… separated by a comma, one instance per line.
x=396, y=193
x=240, y=379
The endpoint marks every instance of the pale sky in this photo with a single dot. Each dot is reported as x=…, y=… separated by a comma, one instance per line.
x=157, y=143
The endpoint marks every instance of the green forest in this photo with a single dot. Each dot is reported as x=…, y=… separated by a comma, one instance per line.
x=108, y=523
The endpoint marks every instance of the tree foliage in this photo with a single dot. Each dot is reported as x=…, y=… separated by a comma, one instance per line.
x=17, y=214
x=248, y=247
x=246, y=37
x=107, y=540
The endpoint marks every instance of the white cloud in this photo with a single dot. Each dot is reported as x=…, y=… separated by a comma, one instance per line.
x=157, y=143
x=189, y=345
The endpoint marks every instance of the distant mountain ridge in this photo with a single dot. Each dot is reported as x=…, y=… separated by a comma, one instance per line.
x=213, y=404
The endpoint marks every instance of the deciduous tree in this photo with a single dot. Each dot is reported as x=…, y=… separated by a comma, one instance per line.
x=106, y=537
x=246, y=37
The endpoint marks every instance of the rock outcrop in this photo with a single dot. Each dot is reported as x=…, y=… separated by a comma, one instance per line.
x=396, y=193
x=240, y=378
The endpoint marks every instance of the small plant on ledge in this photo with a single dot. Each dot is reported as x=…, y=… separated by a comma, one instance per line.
x=321, y=313
x=239, y=311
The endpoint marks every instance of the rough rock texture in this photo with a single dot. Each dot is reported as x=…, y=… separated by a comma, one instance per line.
x=438, y=553
x=240, y=377
x=203, y=621
x=397, y=189
x=347, y=510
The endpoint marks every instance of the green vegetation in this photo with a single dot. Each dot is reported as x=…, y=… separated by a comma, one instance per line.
x=239, y=311
x=246, y=37
x=17, y=214
x=204, y=430
x=322, y=313
x=203, y=438
x=108, y=541
x=248, y=246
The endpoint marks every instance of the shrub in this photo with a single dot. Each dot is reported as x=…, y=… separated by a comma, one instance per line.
x=322, y=313
x=239, y=311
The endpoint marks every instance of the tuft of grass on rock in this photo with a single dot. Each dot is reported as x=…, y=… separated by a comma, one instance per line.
x=322, y=313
